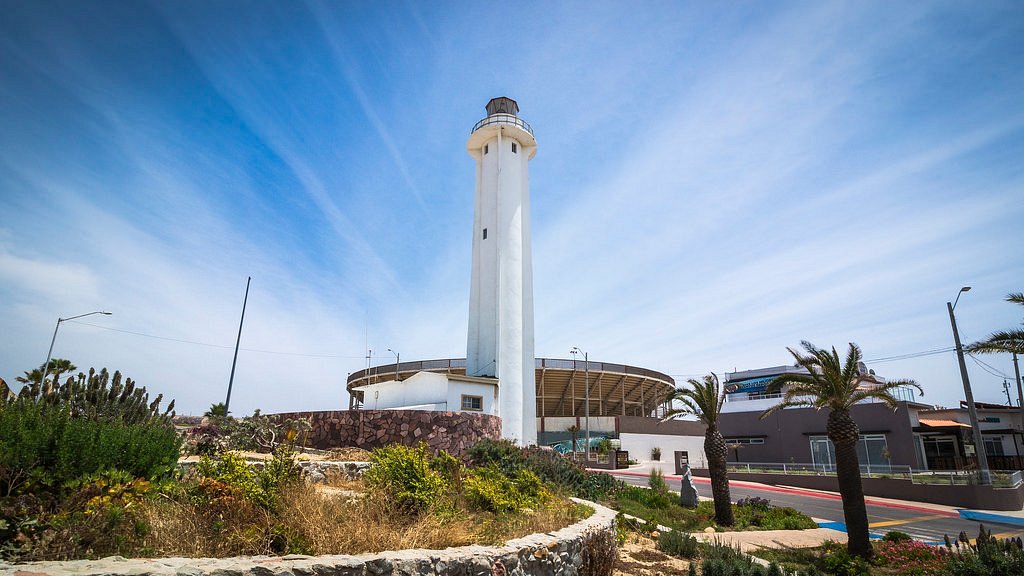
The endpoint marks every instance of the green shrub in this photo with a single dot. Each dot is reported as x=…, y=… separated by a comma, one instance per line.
x=549, y=465
x=260, y=485
x=504, y=454
x=402, y=478
x=837, y=560
x=896, y=536
x=986, y=557
x=656, y=481
x=488, y=488
x=677, y=544
x=53, y=435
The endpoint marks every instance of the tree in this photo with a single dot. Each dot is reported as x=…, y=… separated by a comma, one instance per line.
x=704, y=399
x=837, y=385
x=1011, y=341
x=217, y=410
x=575, y=431
x=57, y=367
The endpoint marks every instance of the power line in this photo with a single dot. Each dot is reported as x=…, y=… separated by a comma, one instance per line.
x=209, y=345
x=988, y=367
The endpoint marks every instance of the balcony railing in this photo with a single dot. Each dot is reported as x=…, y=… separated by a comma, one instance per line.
x=509, y=119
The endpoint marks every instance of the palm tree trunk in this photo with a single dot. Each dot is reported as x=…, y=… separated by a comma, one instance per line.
x=844, y=434
x=717, y=453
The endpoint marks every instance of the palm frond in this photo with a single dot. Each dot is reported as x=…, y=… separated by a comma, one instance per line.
x=702, y=399
x=1009, y=341
x=883, y=392
x=795, y=403
x=1015, y=297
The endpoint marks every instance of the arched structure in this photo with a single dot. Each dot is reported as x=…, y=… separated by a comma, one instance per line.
x=615, y=389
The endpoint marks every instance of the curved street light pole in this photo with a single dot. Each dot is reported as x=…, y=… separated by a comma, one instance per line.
x=398, y=359
x=586, y=388
x=972, y=411
x=49, y=353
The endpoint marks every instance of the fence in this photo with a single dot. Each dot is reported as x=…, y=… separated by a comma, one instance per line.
x=1000, y=479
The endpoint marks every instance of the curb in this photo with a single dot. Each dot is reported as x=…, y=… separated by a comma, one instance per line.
x=800, y=492
x=988, y=517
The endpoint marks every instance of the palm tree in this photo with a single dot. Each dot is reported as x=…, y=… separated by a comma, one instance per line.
x=57, y=367
x=703, y=399
x=837, y=385
x=575, y=431
x=218, y=410
x=1011, y=341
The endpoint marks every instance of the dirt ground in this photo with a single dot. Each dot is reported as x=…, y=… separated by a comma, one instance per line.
x=639, y=557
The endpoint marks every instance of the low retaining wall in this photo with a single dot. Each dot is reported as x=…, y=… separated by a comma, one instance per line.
x=453, y=432
x=981, y=497
x=585, y=548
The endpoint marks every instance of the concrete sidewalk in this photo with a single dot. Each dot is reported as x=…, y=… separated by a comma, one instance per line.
x=1006, y=517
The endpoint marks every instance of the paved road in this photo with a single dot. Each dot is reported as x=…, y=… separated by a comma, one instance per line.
x=921, y=523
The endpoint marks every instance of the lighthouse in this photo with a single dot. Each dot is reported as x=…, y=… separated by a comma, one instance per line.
x=500, y=343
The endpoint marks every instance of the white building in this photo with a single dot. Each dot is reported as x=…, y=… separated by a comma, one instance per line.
x=433, y=391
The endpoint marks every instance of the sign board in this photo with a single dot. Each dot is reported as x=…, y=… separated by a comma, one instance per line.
x=969, y=449
x=682, y=460
x=752, y=385
x=621, y=459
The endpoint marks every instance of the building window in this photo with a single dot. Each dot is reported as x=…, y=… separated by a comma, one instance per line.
x=871, y=451
x=475, y=403
x=485, y=234
x=485, y=148
x=994, y=446
x=744, y=440
x=513, y=147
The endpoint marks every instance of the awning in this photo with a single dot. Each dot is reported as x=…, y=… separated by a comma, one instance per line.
x=943, y=423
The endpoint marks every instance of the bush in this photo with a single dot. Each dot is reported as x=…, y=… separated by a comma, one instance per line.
x=909, y=556
x=838, y=561
x=547, y=464
x=719, y=559
x=402, y=479
x=260, y=485
x=896, y=536
x=488, y=488
x=986, y=557
x=85, y=426
x=755, y=503
x=677, y=544
x=656, y=481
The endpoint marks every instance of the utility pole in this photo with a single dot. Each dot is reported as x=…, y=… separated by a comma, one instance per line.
x=238, y=340
x=972, y=411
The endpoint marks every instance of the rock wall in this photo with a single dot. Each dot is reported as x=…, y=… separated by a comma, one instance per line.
x=453, y=432
x=586, y=548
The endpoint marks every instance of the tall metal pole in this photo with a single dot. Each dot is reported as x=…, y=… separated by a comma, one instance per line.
x=1020, y=399
x=398, y=358
x=586, y=380
x=49, y=353
x=238, y=340
x=979, y=442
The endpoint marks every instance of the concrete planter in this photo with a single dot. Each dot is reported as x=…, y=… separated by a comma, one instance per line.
x=585, y=548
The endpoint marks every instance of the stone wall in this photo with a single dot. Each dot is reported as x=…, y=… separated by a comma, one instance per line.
x=453, y=432
x=586, y=548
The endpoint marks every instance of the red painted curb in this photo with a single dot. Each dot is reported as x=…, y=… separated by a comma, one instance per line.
x=797, y=491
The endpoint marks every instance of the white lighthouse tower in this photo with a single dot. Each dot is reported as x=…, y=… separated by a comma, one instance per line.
x=501, y=293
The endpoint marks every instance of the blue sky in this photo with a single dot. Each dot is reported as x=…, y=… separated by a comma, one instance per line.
x=714, y=182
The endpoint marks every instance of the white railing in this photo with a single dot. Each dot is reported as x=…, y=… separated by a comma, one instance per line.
x=811, y=469
x=1000, y=479
x=501, y=118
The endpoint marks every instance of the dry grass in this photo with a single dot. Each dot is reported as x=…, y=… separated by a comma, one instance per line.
x=313, y=522
x=349, y=454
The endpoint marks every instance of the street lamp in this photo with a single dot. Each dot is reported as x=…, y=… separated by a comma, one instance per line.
x=397, y=359
x=49, y=353
x=979, y=442
x=586, y=387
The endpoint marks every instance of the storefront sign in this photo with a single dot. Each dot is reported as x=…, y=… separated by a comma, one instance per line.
x=752, y=385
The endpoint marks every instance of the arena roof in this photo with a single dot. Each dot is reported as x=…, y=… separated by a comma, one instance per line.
x=615, y=389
